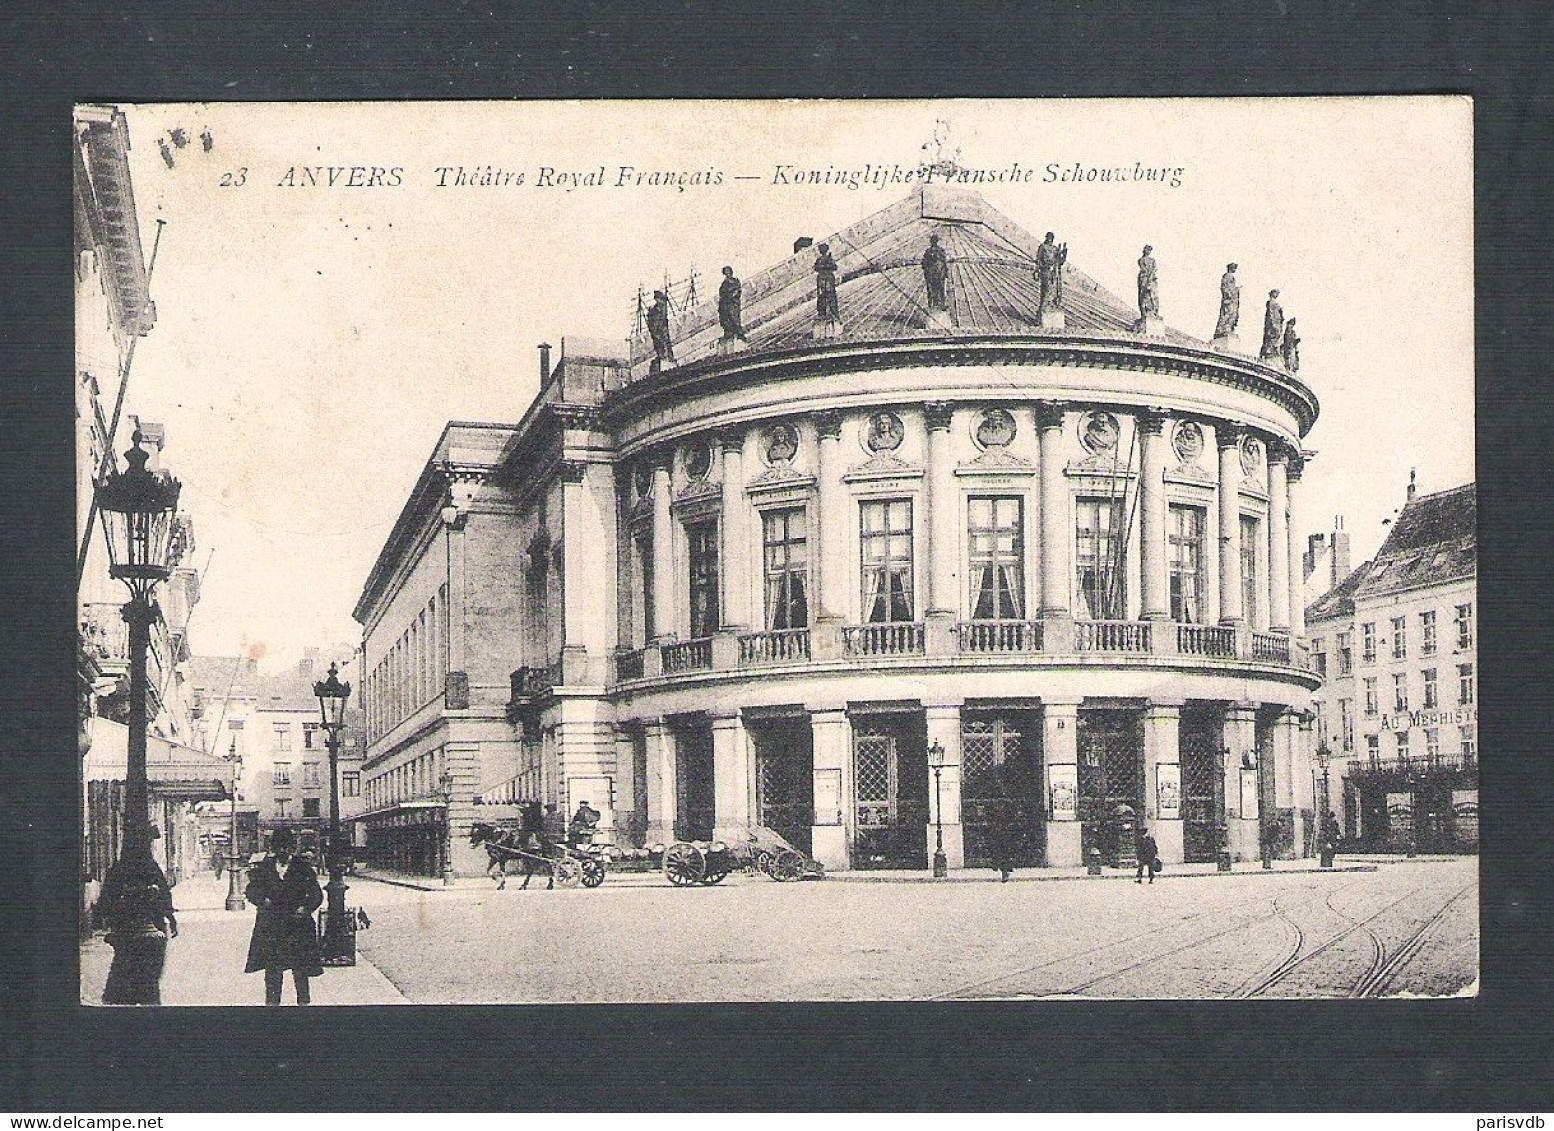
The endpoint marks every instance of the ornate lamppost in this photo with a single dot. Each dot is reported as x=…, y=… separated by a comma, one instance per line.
x=234, y=900
x=138, y=508
x=1324, y=833
x=339, y=942
x=445, y=790
x=1221, y=818
x=936, y=763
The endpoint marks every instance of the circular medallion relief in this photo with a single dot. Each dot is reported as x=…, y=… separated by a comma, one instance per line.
x=884, y=433
x=1188, y=441
x=782, y=444
x=995, y=428
x=1251, y=455
x=698, y=460
x=1098, y=432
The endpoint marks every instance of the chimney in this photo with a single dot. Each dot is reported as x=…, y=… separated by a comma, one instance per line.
x=544, y=362
x=801, y=243
x=309, y=659
x=1340, y=550
x=1315, y=544
x=1412, y=473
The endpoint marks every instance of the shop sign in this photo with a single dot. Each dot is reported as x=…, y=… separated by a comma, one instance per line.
x=1429, y=719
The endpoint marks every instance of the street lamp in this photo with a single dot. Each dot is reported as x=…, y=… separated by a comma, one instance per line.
x=1324, y=833
x=234, y=881
x=138, y=508
x=339, y=943
x=445, y=788
x=936, y=763
x=1221, y=817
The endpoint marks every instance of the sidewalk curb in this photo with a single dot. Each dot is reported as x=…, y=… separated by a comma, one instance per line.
x=864, y=878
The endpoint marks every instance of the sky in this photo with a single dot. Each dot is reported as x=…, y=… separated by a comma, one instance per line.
x=312, y=340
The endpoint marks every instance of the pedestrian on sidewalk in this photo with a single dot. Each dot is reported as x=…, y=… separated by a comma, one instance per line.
x=1149, y=856
x=137, y=906
x=286, y=892
x=1002, y=846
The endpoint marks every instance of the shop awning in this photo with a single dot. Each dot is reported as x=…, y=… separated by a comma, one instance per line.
x=173, y=770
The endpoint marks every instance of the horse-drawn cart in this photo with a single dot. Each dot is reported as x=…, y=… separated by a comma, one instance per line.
x=563, y=866
x=760, y=850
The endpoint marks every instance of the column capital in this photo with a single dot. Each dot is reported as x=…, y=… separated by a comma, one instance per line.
x=660, y=457
x=828, y=423
x=1151, y=421
x=938, y=414
x=1163, y=707
x=1228, y=434
x=732, y=438
x=725, y=717
x=573, y=470
x=1280, y=451
x=1050, y=414
x=1298, y=461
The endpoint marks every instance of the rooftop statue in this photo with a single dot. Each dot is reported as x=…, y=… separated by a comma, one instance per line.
x=936, y=273
x=658, y=329
x=1273, y=327
x=825, y=286
x=1229, y=303
x=730, y=301
x=1050, y=258
x=1149, y=285
x=1291, y=347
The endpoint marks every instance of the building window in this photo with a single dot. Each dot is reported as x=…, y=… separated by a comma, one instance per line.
x=1464, y=626
x=1099, y=560
x=1464, y=684
x=1427, y=633
x=1399, y=691
x=1402, y=737
x=1400, y=638
x=309, y=731
x=1320, y=659
x=310, y=806
x=1372, y=698
x=1346, y=723
x=1465, y=737
x=281, y=775
x=1367, y=643
x=351, y=784
x=282, y=736
x=1433, y=744
x=702, y=538
x=886, y=546
x=645, y=572
x=282, y=805
x=785, y=534
x=1187, y=577
x=997, y=538
x=1250, y=587
x=1431, y=698
x=311, y=779
x=1345, y=654
x=1373, y=748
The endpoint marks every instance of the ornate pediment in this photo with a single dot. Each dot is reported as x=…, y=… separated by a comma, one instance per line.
x=781, y=477
x=882, y=465
x=996, y=461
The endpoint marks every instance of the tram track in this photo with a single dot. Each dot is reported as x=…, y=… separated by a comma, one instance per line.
x=1379, y=977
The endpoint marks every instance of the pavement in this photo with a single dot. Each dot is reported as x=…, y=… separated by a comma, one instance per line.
x=205, y=962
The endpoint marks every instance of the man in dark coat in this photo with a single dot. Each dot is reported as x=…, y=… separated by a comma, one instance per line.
x=286, y=892
x=137, y=907
x=584, y=823
x=1149, y=852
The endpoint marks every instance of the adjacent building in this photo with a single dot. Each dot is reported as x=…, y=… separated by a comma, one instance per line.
x=1014, y=556
x=1398, y=711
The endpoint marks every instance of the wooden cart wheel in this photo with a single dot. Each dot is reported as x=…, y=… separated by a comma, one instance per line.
x=593, y=872
x=713, y=878
x=787, y=865
x=569, y=873
x=684, y=864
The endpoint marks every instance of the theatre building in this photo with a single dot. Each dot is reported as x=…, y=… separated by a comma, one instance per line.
x=1013, y=557
x=1398, y=709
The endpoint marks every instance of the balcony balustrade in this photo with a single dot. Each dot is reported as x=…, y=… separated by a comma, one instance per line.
x=1000, y=635
x=687, y=656
x=1113, y=635
x=785, y=646
x=883, y=639
x=1271, y=646
x=1406, y=766
x=630, y=665
x=1205, y=640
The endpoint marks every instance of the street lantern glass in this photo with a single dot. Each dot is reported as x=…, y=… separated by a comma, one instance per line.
x=936, y=755
x=332, y=698
x=138, y=506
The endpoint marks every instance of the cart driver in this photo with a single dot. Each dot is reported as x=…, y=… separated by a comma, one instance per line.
x=584, y=822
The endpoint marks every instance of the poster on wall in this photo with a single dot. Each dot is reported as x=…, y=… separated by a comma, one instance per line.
x=1249, y=810
x=1168, y=791
x=1063, y=791
x=828, y=797
x=1464, y=817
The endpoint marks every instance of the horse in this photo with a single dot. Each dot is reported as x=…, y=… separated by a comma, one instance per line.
x=514, y=841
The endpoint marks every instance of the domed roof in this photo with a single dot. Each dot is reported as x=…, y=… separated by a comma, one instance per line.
x=881, y=293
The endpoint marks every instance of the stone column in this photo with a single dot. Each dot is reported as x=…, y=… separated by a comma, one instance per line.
x=1293, y=554
x=831, y=596
x=1152, y=505
x=665, y=616
x=944, y=728
x=1060, y=755
x=1303, y=785
x=1241, y=820
x=660, y=781
x=625, y=787
x=1162, y=748
x=736, y=534
x=1227, y=438
x=940, y=521
x=462, y=760
x=1278, y=538
x=831, y=833
x=454, y=522
x=1057, y=579
x=731, y=777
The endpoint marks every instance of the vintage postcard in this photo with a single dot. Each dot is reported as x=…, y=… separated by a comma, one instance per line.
x=772, y=551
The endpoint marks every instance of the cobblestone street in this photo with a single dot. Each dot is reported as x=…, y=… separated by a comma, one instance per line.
x=1407, y=928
